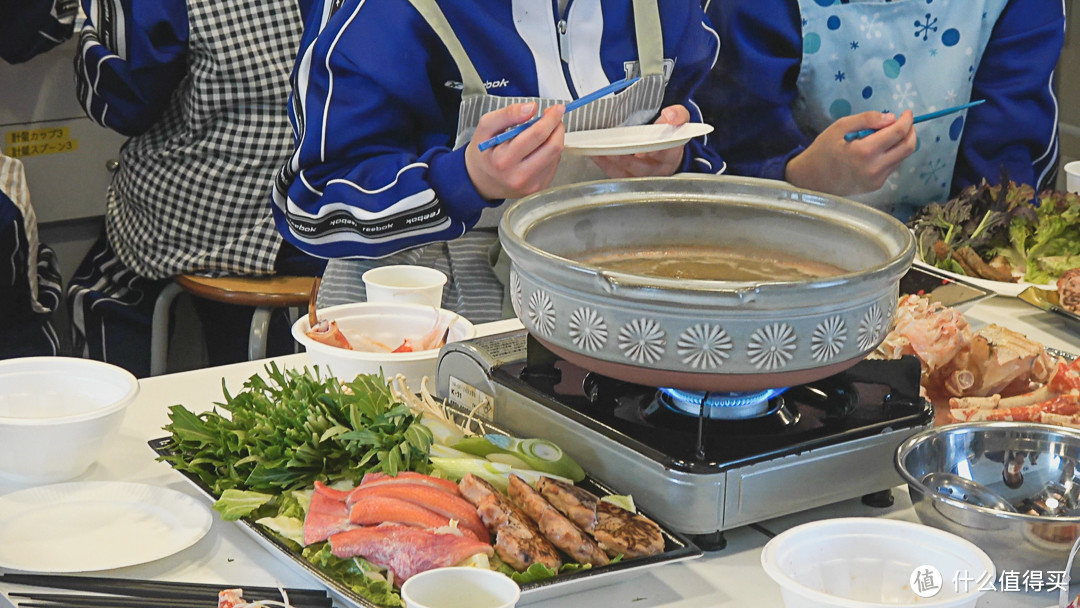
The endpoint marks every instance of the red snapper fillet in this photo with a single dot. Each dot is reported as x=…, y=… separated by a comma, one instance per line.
x=435, y=499
x=406, y=477
x=405, y=550
x=375, y=510
x=325, y=516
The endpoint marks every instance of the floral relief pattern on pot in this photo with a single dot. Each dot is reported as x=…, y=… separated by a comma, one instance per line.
x=515, y=292
x=642, y=341
x=828, y=339
x=588, y=330
x=704, y=346
x=542, y=313
x=872, y=327
x=771, y=347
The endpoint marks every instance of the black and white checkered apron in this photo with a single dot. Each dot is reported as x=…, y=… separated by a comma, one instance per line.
x=191, y=194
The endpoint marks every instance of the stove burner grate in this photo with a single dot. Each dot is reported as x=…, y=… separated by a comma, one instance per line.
x=721, y=406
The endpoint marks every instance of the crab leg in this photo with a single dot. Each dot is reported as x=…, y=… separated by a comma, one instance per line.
x=324, y=332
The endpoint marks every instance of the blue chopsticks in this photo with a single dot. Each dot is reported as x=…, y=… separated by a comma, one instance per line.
x=509, y=134
x=921, y=118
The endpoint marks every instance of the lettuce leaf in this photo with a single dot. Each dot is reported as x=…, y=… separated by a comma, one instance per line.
x=234, y=504
x=353, y=572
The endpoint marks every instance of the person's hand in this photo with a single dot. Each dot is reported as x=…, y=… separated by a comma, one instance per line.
x=522, y=165
x=649, y=164
x=831, y=164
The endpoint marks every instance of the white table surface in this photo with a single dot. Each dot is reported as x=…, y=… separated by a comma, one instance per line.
x=731, y=577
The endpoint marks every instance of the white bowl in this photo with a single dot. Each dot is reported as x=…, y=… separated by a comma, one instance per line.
x=56, y=413
x=869, y=562
x=389, y=324
x=459, y=587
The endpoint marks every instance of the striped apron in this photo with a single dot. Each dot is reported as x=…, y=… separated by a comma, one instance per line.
x=478, y=273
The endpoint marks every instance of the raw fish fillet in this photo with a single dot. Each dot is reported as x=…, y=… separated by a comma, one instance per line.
x=446, y=485
x=325, y=516
x=405, y=550
x=436, y=499
x=375, y=510
x=334, y=493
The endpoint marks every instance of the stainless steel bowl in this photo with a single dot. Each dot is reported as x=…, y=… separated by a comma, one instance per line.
x=703, y=334
x=1012, y=488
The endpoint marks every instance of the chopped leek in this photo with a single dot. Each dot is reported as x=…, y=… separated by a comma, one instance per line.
x=537, y=454
x=495, y=473
x=477, y=445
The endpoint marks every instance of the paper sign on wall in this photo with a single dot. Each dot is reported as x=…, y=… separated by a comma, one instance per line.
x=38, y=142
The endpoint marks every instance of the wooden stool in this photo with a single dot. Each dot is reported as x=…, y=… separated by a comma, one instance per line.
x=263, y=293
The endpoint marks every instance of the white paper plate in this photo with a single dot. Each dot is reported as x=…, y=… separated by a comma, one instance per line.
x=88, y=526
x=632, y=140
x=998, y=287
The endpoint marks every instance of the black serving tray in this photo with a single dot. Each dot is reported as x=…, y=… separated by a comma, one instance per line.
x=940, y=287
x=676, y=548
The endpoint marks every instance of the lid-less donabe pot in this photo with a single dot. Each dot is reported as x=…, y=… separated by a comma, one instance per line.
x=576, y=285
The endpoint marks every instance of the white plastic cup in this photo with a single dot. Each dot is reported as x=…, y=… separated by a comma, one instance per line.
x=1072, y=176
x=460, y=588
x=405, y=284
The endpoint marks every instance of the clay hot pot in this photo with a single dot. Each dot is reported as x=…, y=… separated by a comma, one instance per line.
x=702, y=334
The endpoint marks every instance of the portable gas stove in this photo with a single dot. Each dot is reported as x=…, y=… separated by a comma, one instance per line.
x=699, y=470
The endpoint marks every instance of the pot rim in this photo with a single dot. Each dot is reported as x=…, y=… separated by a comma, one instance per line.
x=527, y=212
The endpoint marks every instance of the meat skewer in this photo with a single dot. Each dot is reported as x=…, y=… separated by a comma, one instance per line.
x=562, y=532
x=518, y=542
x=615, y=529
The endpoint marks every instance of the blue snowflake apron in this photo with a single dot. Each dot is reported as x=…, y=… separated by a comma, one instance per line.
x=891, y=56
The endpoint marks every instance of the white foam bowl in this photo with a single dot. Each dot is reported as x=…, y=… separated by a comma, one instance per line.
x=862, y=562
x=56, y=413
x=389, y=324
x=459, y=587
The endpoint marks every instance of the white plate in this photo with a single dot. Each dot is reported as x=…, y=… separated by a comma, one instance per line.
x=88, y=526
x=998, y=287
x=632, y=140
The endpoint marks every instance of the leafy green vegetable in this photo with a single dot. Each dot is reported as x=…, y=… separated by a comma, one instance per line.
x=287, y=430
x=1046, y=239
x=978, y=218
x=1039, y=236
x=234, y=504
x=289, y=528
x=271, y=441
x=354, y=573
x=539, y=572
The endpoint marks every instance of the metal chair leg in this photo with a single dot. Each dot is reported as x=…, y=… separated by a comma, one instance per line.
x=159, y=328
x=260, y=327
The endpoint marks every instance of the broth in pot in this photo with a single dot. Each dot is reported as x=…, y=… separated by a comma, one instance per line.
x=709, y=263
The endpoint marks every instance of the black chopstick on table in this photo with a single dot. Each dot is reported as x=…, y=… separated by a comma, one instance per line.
x=108, y=601
x=162, y=589
x=65, y=600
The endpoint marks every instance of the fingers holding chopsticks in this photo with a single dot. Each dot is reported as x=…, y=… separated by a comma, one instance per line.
x=832, y=164
x=522, y=165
